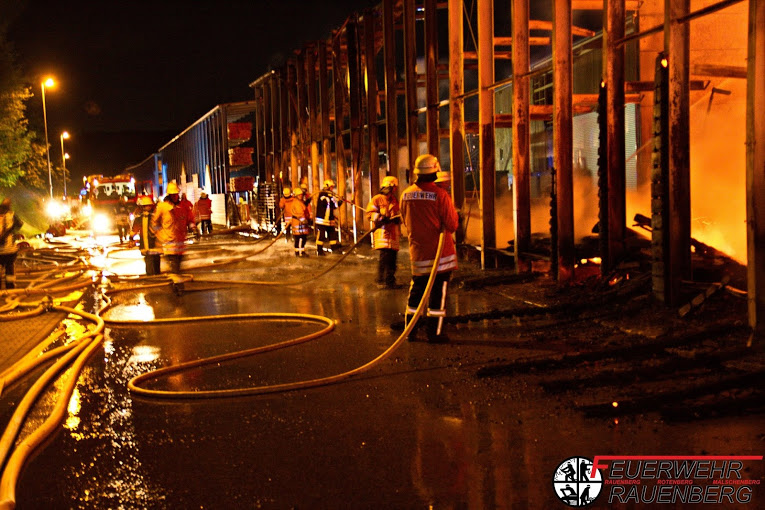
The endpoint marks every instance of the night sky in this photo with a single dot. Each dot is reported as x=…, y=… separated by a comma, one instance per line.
x=133, y=74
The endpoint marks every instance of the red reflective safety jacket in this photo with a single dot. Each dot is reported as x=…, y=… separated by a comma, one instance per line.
x=427, y=210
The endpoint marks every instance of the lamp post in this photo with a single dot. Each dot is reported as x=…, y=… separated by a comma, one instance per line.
x=64, y=156
x=47, y=83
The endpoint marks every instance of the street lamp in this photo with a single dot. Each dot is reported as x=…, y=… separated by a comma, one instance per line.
x=47, y=83
x=64, y=157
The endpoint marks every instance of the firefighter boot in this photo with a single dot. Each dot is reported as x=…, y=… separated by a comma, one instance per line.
x=434, y=332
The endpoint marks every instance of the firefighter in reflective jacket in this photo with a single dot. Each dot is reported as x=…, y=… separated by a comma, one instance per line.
x=301, y=222
x=427, y=210
x=148, y=241
x=170, y=222
x=326, y=222
x=384, y=215
x=285, y=204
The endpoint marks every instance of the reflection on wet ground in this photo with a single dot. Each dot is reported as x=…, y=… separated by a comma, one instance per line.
x=419, y=431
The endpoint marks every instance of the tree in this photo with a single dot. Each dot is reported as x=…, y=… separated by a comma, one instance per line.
x=16, y=141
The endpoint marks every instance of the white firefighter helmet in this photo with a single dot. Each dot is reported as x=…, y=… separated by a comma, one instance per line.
x=389, y=182
x=173, y=189
x=426, y=164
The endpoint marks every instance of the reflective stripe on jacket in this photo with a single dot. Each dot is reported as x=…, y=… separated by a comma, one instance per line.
x=326, y=203
x=301, y=214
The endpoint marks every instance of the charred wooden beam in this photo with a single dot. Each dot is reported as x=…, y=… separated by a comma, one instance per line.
x=457, y=107
x=431, y=76
x=304, y=151
x=485, y=121
x=410, y=80
x=293, y=122
x=563, y=136
x=391, y=101
x=326, y=151
x=355, y=88
x=755, y=171
x=616, y=166
x=521, y=130
x=338, y=77
x=370, y=53
x=677, y=44
x=313, y=117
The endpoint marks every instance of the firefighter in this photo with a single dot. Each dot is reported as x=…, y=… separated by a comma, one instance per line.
x=170, y=223
x=285, y=205
x=9, y=223
x=203, y=211
x=326, y=222
x=301, y=222
x=444, y=180
x=147, y=238
x=122, y=219
x=427, y=210
x=385, y=217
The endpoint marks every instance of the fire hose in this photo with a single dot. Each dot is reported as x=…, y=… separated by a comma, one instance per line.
x=82, y=348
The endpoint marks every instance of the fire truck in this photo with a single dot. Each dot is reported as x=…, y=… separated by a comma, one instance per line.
x=101, y=195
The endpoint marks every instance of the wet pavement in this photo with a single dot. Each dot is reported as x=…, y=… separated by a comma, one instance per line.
x=481, y=422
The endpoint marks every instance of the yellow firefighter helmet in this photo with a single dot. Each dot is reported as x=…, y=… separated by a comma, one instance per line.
x=329, y=183
x=173, y=189
x=286, y=192
x=389, y=182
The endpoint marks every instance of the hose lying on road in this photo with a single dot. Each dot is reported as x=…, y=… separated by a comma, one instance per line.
x=135, y=384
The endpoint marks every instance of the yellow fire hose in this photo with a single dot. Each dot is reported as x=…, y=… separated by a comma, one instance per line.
x=81, y=349
x=134, y=384
x=84, y=347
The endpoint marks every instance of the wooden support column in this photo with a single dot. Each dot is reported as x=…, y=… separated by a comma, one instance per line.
x=313, y=119
x=457, y=107
x=486, y=125
x=276, y=131
x=431, y=77
x=338, y=74
x=371, y=80
x=410, y=82
x=326, y=151
x=354, y=72
x=285, y=126
x=260, y=160
x=614, y=77
x=293, y=123
x=563, y=136
x=677, y=45
x=521, y=133
x=304, y=151
x=268, y=129
x=391, y=108
x=755, y=170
